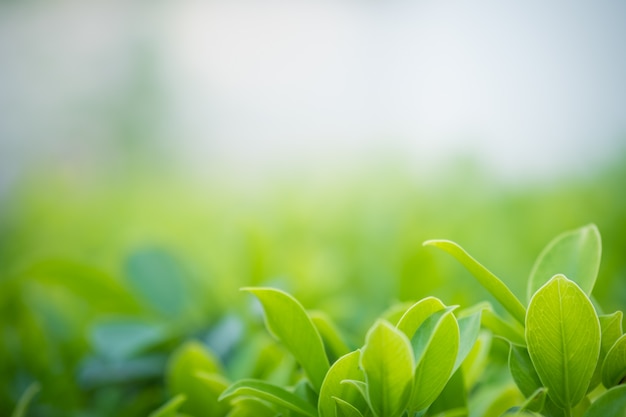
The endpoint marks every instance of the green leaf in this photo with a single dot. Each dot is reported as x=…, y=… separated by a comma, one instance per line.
x=413, y=318
x=170, y=408
x=345, y=409
x=610, y=331
x=288, y=321
x=536, y=401
x=184, y=365
x=575, y=254
x=333, y=342
x=436, y=345
x=251, y=407
x=271, y=393
x=512, y=332
x=453, y=397
x=486, y=278
x=26, y=399
x=523, y=371
x=476, y=361
x=614, y=367
x=563, y=337
x=611, y=403
x=346, y=367
x=387, y=362
x=469, y=328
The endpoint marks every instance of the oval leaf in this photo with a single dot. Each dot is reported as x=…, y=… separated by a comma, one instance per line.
x=575, y=254
x=486, y=278
x=288, y=321
x=346, y=367
x=563, y=337
x=436, y=345
x=271, y=393
x=387, y=361
x=413, y=318
x=614, y=366
x=610, y=331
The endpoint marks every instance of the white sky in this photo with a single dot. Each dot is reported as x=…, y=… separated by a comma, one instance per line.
x=534, y=88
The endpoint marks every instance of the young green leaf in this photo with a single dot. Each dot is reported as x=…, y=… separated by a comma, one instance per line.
x=486, y=278
x=346, y=367
x=184, y=365
x=575, y=254
x=333, y=342
x=512, y=332
x=436, y=345
x=271, y=393
x=289, y=322
x=476, y=361
x=387, y=362
x=469, y=328
x=614, y=367
x=170, y=408
x=611, y=403
x=610, y=331
x=413, y=318
x=345, y=409
x=25, y=400
x=563, y=337
x=251, y=407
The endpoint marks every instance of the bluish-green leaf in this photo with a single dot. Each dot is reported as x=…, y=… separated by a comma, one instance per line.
x=563, y=337
x=575, y=254
x=486, y=278
x=271, y=393
x=614, y=366
x=122, y=338
x=170, y=408
x=436, y=345
x=288, y=321
x=346, y=367
x=387, y=362
x=612, y=403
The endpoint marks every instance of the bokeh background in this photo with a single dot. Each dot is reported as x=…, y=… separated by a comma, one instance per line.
x=155, y=156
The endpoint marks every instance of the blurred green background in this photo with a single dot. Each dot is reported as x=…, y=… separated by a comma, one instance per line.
x=157, y=156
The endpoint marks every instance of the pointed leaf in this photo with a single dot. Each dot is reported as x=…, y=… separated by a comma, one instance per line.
x=486, y=278
x=345, y=409
x=288, y=321
x=575, y=254
x=436, y=345
x=387, y=361
x=563, y=336
x=614, y=367
x=523, y=371
x=333, y=342
x=271, y=393
x=170, y=408
x=611, y=403
x=346, y=367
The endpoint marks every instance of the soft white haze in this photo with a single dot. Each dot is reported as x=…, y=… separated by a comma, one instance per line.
x=532, y=88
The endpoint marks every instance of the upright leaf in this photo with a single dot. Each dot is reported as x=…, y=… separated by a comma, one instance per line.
x=345, y=368
x=610, y=330
x=170, y=408
x=563, y=336
x=413, y=318
x=486, y=278
x=288, y=321
x=345, y=409
x=469, y=328
x=436, y=345
x=575, y=254
x=611, y=403
x=387, y=362
x=333, y=342
x=614, y=367
x=523, y=371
